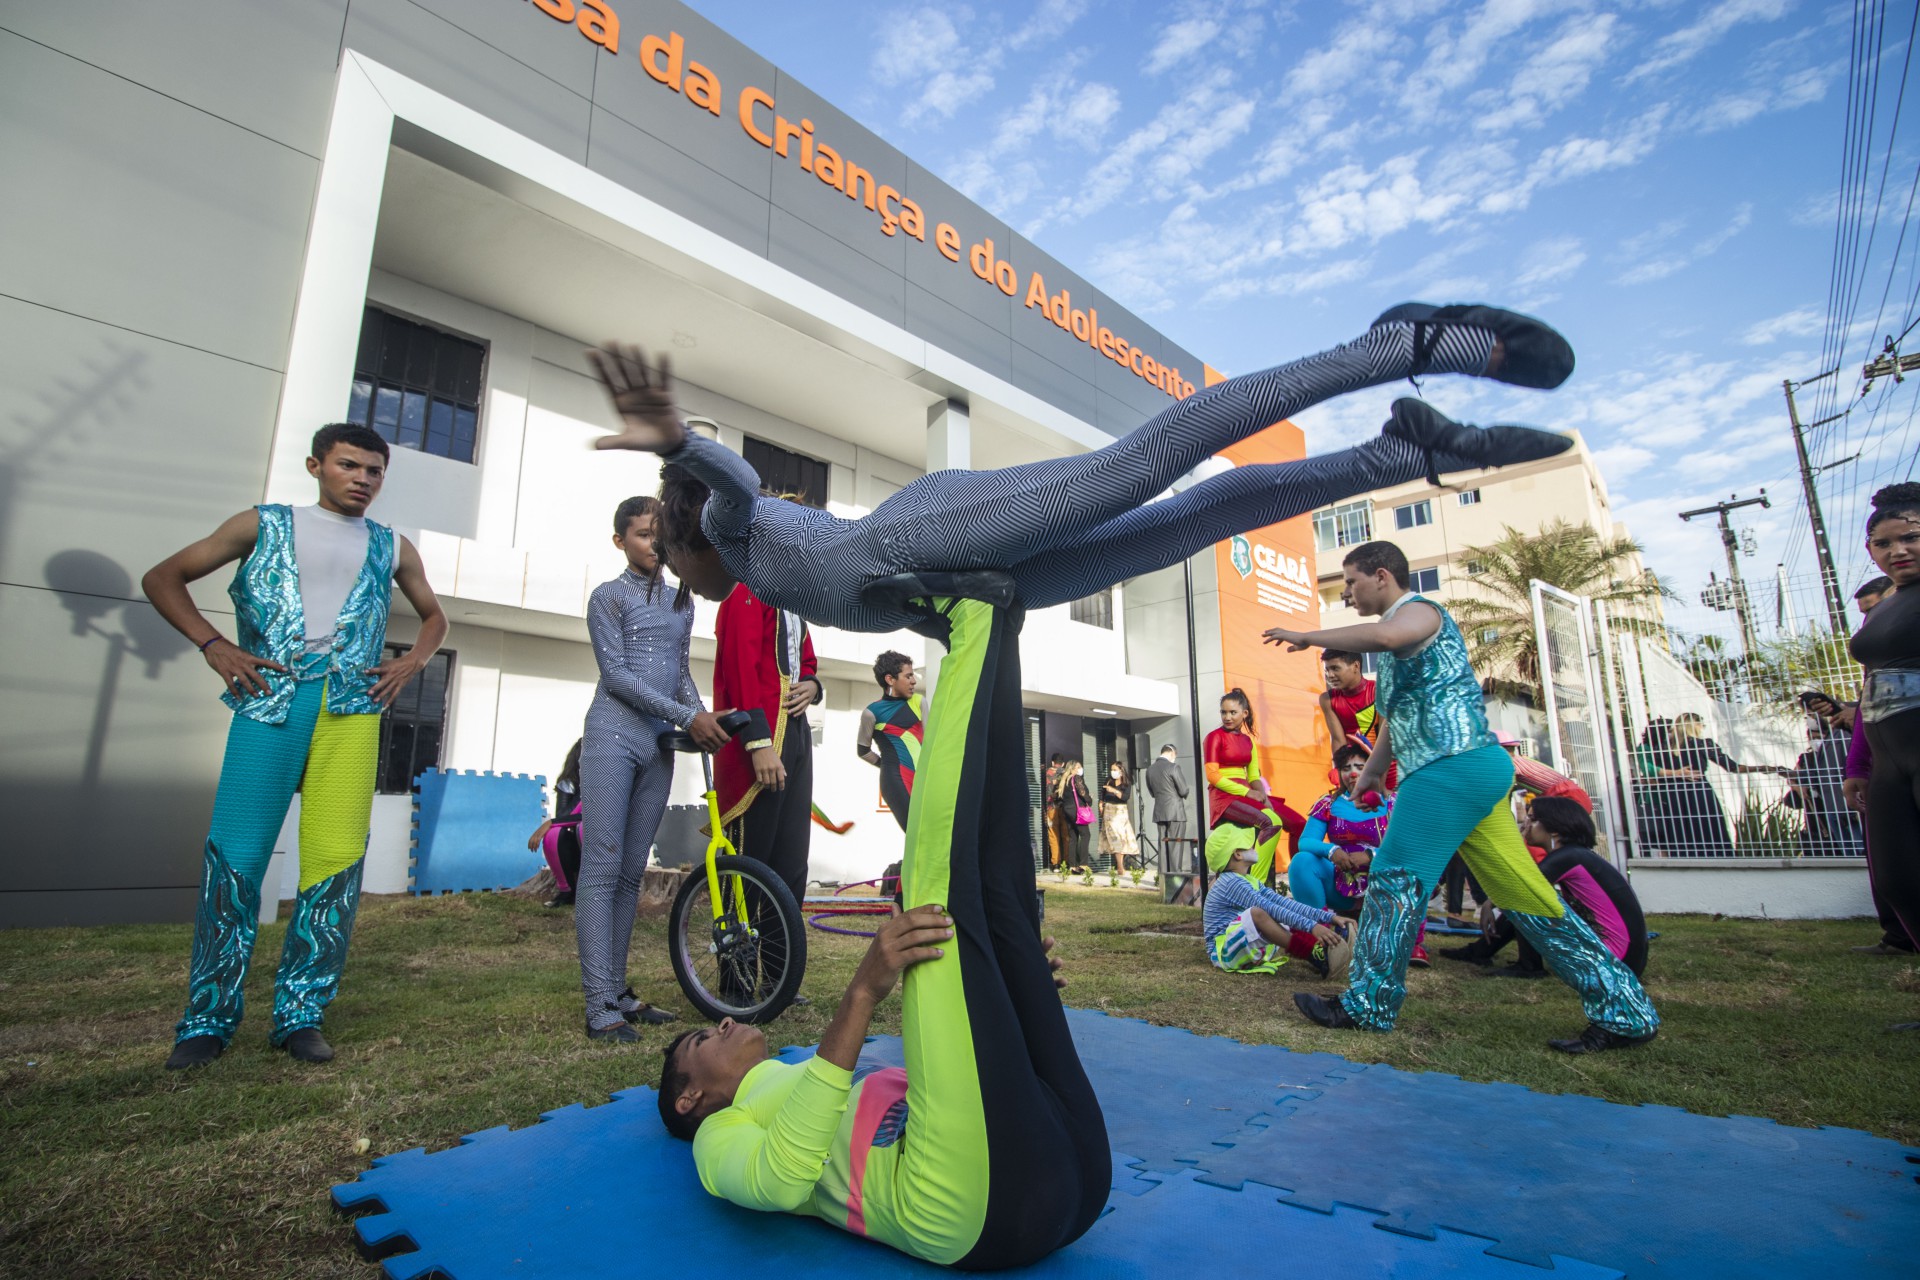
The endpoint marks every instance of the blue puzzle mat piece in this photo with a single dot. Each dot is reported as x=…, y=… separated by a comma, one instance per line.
x=1165, y=1090
x=536, y=1202
x=1654, y=1191
x=470, y=830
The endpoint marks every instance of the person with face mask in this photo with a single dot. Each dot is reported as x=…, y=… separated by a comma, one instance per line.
x=1117, y=838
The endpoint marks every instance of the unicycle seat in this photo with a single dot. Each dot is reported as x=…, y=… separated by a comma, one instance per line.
x=680, y=740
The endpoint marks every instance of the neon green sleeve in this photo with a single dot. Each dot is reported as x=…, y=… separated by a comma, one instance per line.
x=766, y=1151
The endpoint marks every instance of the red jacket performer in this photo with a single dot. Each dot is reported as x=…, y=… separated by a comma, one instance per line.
x=763, y=664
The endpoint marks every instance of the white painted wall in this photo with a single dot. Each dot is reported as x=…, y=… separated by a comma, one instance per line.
x=1780, y=889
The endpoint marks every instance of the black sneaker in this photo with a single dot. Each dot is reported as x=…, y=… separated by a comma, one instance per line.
x=1325, y=1010
x=1597, y=1039
x=561, y=899
x=308, y=1045
x=1317, y=960
x=619, y=1033
x=1533, y=354
x=642, y=1012
x=1471, y=953
x=195, y=1051
x=1456, y=446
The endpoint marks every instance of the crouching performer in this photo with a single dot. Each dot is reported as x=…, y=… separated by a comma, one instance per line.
x=306, y=684
x=988, y=1150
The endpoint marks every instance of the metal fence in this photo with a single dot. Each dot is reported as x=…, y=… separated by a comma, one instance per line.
x=1693, y=732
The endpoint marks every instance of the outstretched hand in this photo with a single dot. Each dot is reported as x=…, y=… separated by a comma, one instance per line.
x=1054, y=962
x=643, y=399
x=1291, y=639
x=904, y=940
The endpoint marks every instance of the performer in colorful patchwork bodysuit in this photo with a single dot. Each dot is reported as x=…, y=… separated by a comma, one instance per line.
x=891, y=731
x=1453, y=795
x=306, y=684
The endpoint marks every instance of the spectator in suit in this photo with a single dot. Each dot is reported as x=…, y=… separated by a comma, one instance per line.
x=1168, y=788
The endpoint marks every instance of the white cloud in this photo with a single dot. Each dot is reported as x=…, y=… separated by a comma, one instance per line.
x=1729, y=110
x=1661, y=267
x=1545, y=261
x=1360, y=48
x=1180, y=39
x=1689, y=42
x=1456, y=61
x=1050, y=18
x=1555, y=75
x=927, y=46
x=1801, y=322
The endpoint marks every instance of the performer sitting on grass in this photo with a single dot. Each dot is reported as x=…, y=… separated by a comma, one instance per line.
x=1453, y=795
x=1251, y=929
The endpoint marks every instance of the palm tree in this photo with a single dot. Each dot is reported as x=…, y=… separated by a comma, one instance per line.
x=1497, y=618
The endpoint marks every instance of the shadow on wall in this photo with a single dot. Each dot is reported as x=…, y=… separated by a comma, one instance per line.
x=95, y=591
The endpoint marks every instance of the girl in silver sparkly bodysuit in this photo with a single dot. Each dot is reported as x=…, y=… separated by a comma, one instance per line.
x=640, y=633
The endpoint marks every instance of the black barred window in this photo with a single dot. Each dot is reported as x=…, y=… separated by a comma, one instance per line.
x=789, y=474
x=412, y=729
x=418, y=387
x=1095, y=610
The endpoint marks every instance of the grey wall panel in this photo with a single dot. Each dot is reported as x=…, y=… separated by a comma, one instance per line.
x=266, y=67
x=1117, y=417
x=111, y=733
x=1044, y=378
x=813, y=254
x=524, y=33
x=956, y=331
x=144, y=212
x=119, y=446
x=718, y=142
x=105, y=906
x=805, y=196
x=432, y=50
x=955, y=282
x=641, y=162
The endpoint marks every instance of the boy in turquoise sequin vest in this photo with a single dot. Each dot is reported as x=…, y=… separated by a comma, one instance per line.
x=306, y=684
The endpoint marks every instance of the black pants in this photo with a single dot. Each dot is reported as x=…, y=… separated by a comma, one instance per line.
x=1049, y=1166
x=567, y=846
x=1082, y=836
x=1455, y=880
x=777, y=827
x=893, y=790
x=1893, y=817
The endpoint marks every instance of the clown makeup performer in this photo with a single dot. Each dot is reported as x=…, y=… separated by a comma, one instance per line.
x=1454, y=783
x=306, y=685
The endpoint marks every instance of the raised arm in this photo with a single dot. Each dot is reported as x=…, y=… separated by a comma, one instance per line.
x=610, y=651
x=166, y=588
x=1410, y=626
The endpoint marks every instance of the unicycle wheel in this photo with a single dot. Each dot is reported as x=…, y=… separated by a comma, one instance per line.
x=729, y=967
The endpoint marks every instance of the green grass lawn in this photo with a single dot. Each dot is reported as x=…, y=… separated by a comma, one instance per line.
x=462, y=1013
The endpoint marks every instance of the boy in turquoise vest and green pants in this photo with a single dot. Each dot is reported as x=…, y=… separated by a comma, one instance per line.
x=306, y=685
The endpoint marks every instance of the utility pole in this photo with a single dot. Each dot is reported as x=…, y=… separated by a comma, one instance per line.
x=1748, y=641
x=1829, y=576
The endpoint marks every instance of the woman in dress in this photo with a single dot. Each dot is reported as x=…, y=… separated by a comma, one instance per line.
x=1116, y=818
x=1236, y=789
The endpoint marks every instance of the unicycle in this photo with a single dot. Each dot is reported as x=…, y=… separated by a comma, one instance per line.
x=735, y=934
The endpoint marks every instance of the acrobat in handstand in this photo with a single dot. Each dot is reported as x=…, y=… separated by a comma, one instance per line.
x=989, y=1149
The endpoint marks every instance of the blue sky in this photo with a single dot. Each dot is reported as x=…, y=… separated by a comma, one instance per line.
x=1259, y=179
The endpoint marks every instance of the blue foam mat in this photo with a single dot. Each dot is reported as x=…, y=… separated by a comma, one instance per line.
x=470, y=830
x=1305, y=1156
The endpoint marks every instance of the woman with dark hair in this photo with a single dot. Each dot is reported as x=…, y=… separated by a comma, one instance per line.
x=641, y=638
x=1237, y=790
x=1117, y=838
x=1592, y=888
x=1888, y=647
x=559, y=836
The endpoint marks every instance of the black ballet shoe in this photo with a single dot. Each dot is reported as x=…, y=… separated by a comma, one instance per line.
x=1532, y=353
x=1457, y=446
x=1325, y=1010
x=643, y=1012
x=990, y=586
x=307, y=1045
x=618, y=1033
x=195, y=1051
x=1597, y=1039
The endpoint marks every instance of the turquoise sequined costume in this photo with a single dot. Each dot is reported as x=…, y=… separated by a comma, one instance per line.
x=1455, y=780
x=316, y=732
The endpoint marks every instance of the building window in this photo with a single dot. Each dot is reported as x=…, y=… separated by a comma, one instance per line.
x=1095, y=610
x=418, y=387
x=1426, y=580
x=787, y=473
x=1346, y=525
x=1476, y=566
x=413, y=728
x=1489, y=634
x=1469, y=497
x=1413, y=515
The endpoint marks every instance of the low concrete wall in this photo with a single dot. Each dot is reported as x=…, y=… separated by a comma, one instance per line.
x=1777, y=888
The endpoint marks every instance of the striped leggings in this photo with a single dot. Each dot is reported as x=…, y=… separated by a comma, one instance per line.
x=624, y=780
x=1069, y=526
